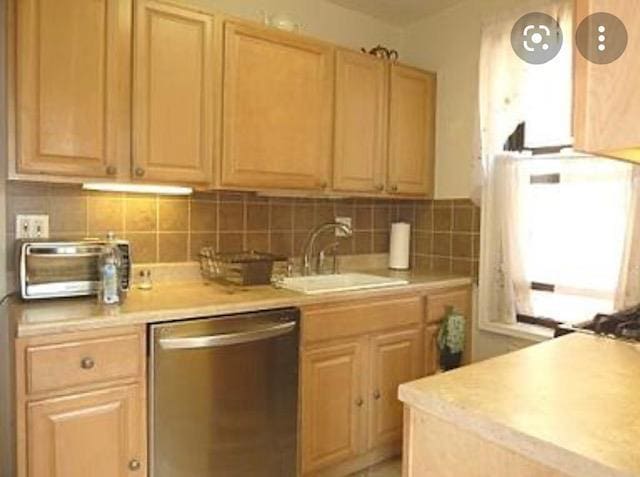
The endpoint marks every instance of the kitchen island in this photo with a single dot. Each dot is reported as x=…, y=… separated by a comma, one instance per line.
x=567, y=407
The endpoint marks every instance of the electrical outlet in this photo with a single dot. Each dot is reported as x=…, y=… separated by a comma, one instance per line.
x=32, y=226
x=345, y=221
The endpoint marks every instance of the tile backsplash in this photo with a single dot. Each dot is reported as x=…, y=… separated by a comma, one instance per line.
x=173, y=229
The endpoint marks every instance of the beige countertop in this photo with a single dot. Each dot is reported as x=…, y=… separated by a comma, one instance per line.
x=571, y=403
x=194, y=299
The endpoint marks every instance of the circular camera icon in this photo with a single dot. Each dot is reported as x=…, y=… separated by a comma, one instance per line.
x=602, y=38
x=537, y=38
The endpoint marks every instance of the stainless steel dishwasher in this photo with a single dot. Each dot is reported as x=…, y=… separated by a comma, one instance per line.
x=224, y=396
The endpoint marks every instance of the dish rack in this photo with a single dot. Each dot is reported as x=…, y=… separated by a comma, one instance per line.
x=241, y=268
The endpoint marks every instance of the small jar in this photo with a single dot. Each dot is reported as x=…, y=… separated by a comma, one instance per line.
x=145, y=282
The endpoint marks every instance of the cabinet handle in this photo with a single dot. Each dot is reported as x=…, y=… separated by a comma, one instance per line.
x=112, y=170
x=380, y=187
x=376, y=395
x=134, y=464
x=139, y=172
x=394, y=188
x=359, y=402
x=87, y=363
x=324, y=185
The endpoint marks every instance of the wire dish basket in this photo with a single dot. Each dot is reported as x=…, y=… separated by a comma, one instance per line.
x=241, y=268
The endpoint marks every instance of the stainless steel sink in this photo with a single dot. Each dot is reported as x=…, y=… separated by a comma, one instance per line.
x=317, y=284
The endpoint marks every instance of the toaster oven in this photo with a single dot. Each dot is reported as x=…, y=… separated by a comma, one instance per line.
x=58, y=269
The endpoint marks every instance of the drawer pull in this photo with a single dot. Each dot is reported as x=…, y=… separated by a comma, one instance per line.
x=134, y=464
x=87, y=363
x=376, y=395
x=359, y=402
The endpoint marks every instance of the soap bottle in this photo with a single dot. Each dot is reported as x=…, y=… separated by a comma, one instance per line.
x=109, y=279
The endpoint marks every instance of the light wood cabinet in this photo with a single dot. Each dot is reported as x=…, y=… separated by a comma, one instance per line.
x=333, y=412
x=81, y=404
x=152, y=91
x=100, y=434
x=277, y=110
x=351, y=369
x=411, y=131
x=396, y=358
x=360, y=125
x=606, y=103
x=437, y=305
x=174, y=94
x=72, y=103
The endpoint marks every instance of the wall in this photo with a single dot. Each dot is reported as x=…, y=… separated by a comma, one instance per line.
x=319, y=19
x=449, y=42
x=173, y=229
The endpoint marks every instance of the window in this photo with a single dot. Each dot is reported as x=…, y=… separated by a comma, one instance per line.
x=573, y=215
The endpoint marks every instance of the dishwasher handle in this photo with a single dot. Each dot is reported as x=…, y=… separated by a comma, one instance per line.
x=227, y=339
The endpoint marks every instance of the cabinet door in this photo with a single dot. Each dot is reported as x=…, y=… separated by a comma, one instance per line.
x=411, y=131
x=333, y=404
x=360, y=123
x=100, y=434
x=604, y=92
x=73, y=83
x=278, y=97
x=460, y=300
x=397, y=358
x=173, y=102
x=431, y=350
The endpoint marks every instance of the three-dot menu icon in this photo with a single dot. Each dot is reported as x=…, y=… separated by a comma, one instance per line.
x=602, y=38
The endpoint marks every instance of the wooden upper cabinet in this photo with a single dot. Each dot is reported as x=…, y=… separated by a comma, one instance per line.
x=411, y=131
x=277, y=110
x=72, y=86
x=99, y=434
x=396, y=358
x=333, y=404
x=173, y=99
x=606, y=100
x=360, y=123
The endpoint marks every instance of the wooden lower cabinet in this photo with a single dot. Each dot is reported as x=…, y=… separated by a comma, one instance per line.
x=94, y=423
x=333, y=409
x=98, y=434
x=438, y=304
x=396, y=358
x=351, y=417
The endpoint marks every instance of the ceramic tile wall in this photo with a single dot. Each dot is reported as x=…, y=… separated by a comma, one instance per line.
x=447, y=236
x=173, y=229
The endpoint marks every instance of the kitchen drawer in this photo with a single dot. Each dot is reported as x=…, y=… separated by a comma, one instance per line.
x=82, y=362
x=326, y=322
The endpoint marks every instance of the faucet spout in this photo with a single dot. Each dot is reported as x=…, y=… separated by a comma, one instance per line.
x=312, y=239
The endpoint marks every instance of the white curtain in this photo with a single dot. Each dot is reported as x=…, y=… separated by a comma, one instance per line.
x=503, y=280
x=512, y=91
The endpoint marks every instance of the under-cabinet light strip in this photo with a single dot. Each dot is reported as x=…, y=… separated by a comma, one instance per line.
x=137, y=188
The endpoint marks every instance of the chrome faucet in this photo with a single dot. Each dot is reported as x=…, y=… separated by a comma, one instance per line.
x=313, y=237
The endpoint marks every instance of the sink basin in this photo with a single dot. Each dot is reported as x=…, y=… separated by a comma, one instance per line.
x=316, y=284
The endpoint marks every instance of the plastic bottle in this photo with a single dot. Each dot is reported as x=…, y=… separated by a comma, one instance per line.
x=109, y=280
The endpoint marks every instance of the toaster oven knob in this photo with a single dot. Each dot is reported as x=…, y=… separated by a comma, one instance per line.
x=134, y=464
x=87, y=363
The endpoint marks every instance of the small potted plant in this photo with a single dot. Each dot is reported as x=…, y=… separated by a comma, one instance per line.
x=451, y=340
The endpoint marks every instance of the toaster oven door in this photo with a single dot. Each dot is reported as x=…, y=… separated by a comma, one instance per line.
x=59, y=270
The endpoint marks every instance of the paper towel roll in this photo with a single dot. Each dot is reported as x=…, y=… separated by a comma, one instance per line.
x=400, y=246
